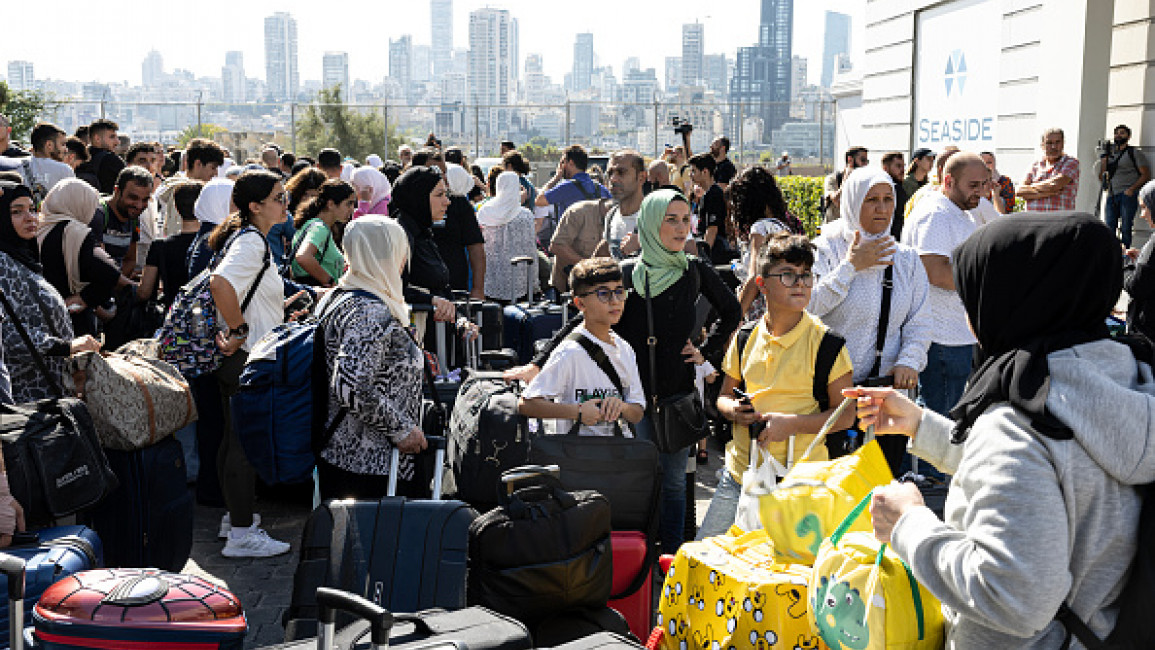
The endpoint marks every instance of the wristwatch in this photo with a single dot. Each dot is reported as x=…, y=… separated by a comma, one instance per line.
x=240, y=332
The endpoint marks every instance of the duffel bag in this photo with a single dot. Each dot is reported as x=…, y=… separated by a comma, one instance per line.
x=729, y=591
x=864, y=596
x=543, y=550
x=135, y=400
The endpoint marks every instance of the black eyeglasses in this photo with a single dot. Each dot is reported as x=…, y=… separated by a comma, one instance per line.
x=790, y=278
x=603, y=295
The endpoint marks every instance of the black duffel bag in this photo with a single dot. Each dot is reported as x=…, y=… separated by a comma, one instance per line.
x=53, y=458
x=545, y=549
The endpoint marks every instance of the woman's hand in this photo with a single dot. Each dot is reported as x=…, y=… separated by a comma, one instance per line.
x=413, y=443
x=865, y=254
x=905, y=378
x=887, y=410
x=692, y=354
x=524, y=373
x=443, y=310
x=228, y=345
x=889, y=504
x=468, y=329
x=85, y=344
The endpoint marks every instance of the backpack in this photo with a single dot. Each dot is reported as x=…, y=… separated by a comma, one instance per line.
x=87, y=171
x=283, y=400
x=828, y=350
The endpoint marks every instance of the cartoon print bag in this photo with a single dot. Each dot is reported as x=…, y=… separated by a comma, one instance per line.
x=729, y=592
x=866, y=598
x=815, y=496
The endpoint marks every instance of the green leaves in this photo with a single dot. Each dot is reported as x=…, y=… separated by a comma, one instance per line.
x=328, y=122
x=804, y=200
x=25, y=108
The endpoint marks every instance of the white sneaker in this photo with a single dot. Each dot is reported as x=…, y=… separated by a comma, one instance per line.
x=227, y=525
x=254, y=542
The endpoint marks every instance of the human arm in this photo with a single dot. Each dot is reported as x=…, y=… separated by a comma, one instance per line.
x=307, y=259
x=780, y=426
x=833, y=275
x=128, y=265
x=477, y=266
x=1144, y=176
x=565, y=255
x=939, y=271
x=1139, y=274
x=710, y=235
x=724, y=302
x=1044, y=189
x=227, y=303
x=916, y=329
x=98, y=269
x=148, y=281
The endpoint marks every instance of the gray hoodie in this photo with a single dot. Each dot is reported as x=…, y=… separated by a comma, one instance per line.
x=1032, y=522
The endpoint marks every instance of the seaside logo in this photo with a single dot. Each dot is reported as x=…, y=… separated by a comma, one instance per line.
x=956, y=73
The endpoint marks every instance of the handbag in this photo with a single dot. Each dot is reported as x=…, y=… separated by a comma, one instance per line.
x=679, y=420
x=53, y=458
x=862, y=590
x=188, y=335
x=759, y=478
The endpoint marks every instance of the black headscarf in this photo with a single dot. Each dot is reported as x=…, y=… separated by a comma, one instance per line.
x=25, y=251
x=1031, y=285
x=411, y=196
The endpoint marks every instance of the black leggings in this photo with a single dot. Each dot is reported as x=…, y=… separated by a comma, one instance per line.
x=238, y=479
x=336, y=483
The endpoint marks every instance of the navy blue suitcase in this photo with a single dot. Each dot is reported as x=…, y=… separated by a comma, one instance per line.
x=50, y=554
x=525, y=325
x=148, y=520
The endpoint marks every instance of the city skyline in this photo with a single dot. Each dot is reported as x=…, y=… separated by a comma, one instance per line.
x=723, y=34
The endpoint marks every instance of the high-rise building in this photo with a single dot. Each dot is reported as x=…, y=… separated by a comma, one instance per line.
x=20, y=75
x=441, y=23
x=233, y=84
x=535, y=80
x=335, y=72
x=421, y=68
x=798, y=73
x=492, y=68
x=152, y=70
x=761, y=83
x=673, y=74
x=281, y=56
x=716, y=73
x=583, y=62
x=631, y=64
x=837, y=41
x=401, y=63
x=693, y=53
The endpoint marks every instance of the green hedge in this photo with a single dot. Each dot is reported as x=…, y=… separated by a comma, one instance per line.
x=804, y=200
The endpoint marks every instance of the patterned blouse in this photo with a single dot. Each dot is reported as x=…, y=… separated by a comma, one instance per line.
x=375, y=371
x=514, y=239
x=42, y=312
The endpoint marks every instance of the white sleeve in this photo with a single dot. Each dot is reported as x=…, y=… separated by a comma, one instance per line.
x=635, y=393
x=931, y=237
x=555, y=378
x=242, y=262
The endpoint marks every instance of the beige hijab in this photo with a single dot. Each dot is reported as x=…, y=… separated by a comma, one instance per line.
x=375, y=246
x=73, y=202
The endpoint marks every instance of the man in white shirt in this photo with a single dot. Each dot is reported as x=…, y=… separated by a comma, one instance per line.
x=45, y=167
x=626, y=172
x=938, y=224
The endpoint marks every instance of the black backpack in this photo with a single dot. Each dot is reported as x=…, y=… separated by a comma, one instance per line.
x=828, y=350
x=88, y=170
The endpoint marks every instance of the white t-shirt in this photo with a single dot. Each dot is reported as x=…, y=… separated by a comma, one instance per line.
x=240, y=267
x=935, y=227
x=617, y=227
x=984, y=213
x=571, y=377
x=763, y=228
x=46, y=172
x=701, y=371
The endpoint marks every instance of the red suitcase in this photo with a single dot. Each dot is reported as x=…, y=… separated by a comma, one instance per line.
x=629, y=552
x=138, y=609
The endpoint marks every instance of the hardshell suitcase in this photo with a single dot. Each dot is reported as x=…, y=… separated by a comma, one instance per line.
x=525, y=324
x=138, y=608
x=49, y=555
x=473, y=628
x=599, y=641
x=574, y=625
x=629, y=549
x=148, y=520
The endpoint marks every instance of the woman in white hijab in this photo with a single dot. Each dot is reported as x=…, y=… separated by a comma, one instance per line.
x=508, y=229
x=373, y=365
x=856, y=254
x=373, y=191
x=212, y=207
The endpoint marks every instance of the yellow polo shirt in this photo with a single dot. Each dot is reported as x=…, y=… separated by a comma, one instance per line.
x=779, y=373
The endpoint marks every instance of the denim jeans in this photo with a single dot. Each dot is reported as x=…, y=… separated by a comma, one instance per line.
x=672, y=501
x=942, y=383
x=723, y=507
x=1121, y=205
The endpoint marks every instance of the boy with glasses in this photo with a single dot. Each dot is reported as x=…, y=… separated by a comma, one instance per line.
x=775, y=361
x=591, y=380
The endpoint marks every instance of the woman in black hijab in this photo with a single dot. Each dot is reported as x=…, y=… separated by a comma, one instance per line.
x=420, y=198
x=37, y=305
x=1049, y=443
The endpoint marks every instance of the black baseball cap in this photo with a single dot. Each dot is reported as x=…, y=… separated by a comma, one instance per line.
x=920, y=152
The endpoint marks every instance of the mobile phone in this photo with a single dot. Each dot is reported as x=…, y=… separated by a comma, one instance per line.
x=302, y=302
x=744, y=398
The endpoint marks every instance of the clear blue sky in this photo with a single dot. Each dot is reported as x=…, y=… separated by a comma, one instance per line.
x=195, y=35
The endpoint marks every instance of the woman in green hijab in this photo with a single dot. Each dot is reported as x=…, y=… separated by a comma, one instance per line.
x=674, y=282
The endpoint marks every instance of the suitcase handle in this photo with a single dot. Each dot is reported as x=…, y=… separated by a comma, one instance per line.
x=330, y=601
x=511, y=477
x=13, y=568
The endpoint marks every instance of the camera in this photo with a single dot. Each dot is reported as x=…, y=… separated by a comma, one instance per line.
x=1104, y=148
x=681, y=127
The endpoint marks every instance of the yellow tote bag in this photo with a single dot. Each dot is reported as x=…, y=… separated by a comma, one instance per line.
x=728, y=592
x=865, y=597
x=815, y=496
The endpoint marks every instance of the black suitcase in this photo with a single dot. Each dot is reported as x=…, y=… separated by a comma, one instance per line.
x=599, y=641
x=148, y=520
x=473, y=628
x=543, y=551
x=486, y=436
x=489, y=318
x=571, y=627
x=406, y=555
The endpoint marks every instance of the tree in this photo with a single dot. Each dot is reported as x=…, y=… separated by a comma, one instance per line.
x=24, y=108
x=191, y=131
x=328, y=122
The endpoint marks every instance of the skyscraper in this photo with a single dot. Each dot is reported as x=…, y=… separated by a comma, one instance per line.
x=401, y=63
x=798, y=72
x=152, y=70
x=233, y=83
x=20, y=75
x=761, y=83
x=281, y=56
x=673, y=74
x=716, y=73
x=492, y=68
x=335, y=71
x=837, y=41
x=583, y=62
x=441, y=22
x=693, y=52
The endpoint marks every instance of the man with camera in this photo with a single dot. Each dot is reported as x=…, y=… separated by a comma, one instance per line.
x=1123, y=170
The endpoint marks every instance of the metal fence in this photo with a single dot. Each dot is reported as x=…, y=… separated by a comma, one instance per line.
x=805, y=129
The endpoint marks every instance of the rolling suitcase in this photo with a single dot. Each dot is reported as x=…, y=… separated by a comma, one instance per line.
x=599, y=641
x=148, y=520
x=49, y=555
x=629, y=548
x=406, y=555
x=473, y=628
x=529, y=322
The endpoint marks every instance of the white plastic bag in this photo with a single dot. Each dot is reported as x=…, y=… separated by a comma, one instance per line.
x=760, y=477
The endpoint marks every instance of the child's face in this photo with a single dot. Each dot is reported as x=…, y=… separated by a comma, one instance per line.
x=781, y=297
x=609, y=312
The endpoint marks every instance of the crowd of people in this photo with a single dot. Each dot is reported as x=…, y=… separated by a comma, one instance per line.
x=922, y=277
